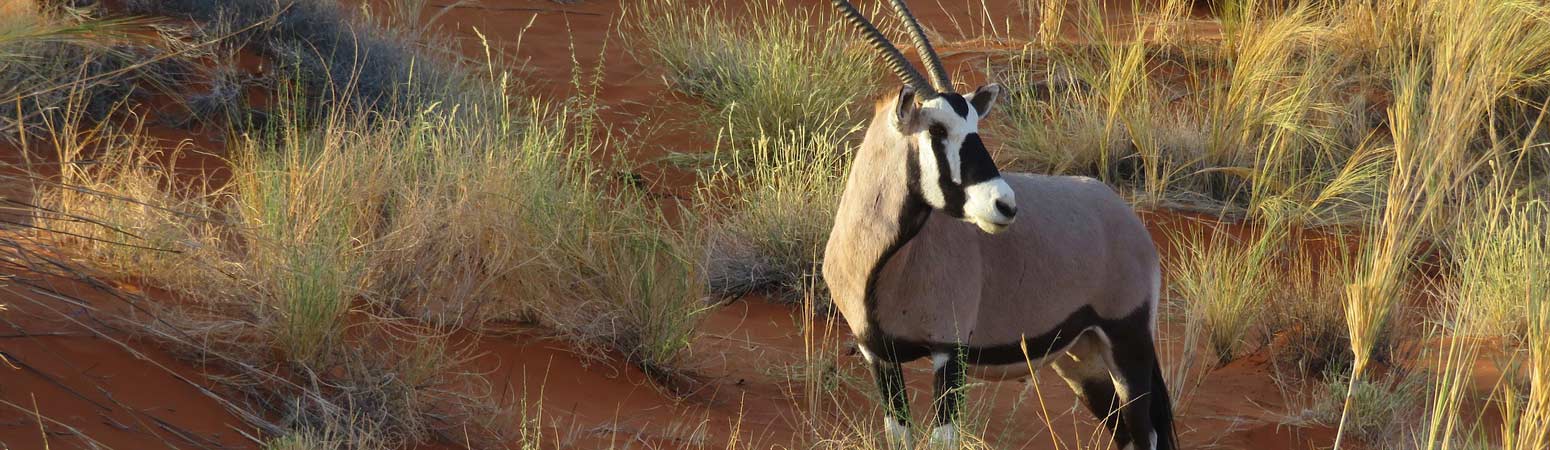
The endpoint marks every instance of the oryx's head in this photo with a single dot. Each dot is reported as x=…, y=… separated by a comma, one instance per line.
x=950, y=167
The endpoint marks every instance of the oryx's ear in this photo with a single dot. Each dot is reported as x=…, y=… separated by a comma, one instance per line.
x=905, y=107
x=985, y=97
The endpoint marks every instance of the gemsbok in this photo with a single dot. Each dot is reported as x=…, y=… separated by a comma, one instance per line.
x=925, y=259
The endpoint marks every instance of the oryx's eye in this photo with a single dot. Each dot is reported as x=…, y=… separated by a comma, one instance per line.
x=938, y=131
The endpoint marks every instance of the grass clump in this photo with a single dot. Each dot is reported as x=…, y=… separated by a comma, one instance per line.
x=1526, y=404
x=1263, y=116
x=1306, y=318
x=271, y=279
x=770, y=69
x=333, y=230
x=1380, y=409
x=303, y=205
x=1501, y=257
x=773, y=227
x=1227, y=284
x=507, y=217
x=784, y=98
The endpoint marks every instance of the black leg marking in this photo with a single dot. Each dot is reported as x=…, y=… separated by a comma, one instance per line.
x=1085, y=368
x=1135, y=361
x=890, y=383
x=1098, y=394
x=948, y=389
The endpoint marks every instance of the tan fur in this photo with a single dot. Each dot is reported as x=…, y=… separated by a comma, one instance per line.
x=1074, y=243
x=868, y=215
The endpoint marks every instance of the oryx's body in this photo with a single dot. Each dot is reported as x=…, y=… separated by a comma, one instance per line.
x=925, y=260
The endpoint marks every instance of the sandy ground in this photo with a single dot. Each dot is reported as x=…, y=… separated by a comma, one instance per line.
x=70, y=380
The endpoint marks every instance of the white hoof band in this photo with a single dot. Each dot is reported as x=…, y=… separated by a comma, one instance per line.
x=944, y=437
x=898, y=433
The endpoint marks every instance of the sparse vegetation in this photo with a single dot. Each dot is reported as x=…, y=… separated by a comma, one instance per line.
x=338, y=224
x=380, y=205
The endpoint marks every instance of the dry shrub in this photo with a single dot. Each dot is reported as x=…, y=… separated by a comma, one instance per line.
x=336, y=59
x=58, y=62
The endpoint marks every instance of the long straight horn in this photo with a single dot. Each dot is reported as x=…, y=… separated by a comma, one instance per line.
x=891, y=55
x=923, y=47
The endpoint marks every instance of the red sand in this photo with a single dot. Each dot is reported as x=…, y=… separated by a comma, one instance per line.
x=60, y=372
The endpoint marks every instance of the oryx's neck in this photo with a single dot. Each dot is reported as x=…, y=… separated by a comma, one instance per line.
x=878, y=213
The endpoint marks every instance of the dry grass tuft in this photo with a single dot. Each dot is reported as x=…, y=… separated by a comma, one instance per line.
x=1501, y=255
x=770, y=69
x=774, y=225
x=1227, y=286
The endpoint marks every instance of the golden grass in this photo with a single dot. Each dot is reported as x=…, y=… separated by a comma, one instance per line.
x=1444, y=92
x=1226, y=287
x=1275, y=123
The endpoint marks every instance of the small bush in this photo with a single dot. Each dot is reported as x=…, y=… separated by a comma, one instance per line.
x=335, y=59
x=58, y=63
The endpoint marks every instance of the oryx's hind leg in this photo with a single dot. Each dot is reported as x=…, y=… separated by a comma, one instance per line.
x=895, y=399
x=1133, y=360
x=1085, y=367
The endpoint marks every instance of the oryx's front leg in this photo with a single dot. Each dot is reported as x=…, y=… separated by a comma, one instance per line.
x=896, y=401
x=948, y=394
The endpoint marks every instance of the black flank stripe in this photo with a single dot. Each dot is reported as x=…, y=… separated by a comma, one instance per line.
x=1040, y=346
x=912, y=217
